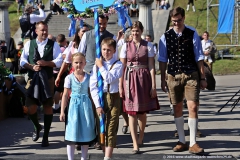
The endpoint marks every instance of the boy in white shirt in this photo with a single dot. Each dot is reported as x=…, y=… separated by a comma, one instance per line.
x=111, y=70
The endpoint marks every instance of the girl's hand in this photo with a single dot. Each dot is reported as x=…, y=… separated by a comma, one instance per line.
x=62, y=117
x=153, y=93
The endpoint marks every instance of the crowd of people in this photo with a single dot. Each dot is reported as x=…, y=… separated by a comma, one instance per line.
x=127, y=67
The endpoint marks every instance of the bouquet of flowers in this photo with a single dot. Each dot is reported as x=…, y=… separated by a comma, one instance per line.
x=67, y=5
x=4, y=74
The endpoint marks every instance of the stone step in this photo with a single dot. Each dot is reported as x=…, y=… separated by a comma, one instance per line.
x=59, y=24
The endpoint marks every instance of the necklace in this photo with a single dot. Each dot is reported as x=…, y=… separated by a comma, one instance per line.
x=137, y=44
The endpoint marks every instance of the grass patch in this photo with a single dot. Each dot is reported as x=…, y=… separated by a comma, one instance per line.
x=198, y=20
x=226, y=66
x=14, y=18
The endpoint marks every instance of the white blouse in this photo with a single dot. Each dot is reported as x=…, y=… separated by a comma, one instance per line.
x=123, y=53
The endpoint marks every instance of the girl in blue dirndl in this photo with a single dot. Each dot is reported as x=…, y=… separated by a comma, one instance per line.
x=80, y=126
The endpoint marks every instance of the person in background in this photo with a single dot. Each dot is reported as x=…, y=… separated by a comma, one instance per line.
x=31, y=2
x=157, y=4
x=88, y=47
x=61, y=40
x=28, y=22
x=20, y=5
x=148, y=38
x=164, y=4
x=188, y=5
x=19, y=48
x=134, y=9
x=71, y=49
x=10, y=58
x=55, y=7
x=206, y=46
x=125, y=38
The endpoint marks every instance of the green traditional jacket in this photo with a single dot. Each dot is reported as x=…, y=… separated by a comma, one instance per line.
x=47, y=56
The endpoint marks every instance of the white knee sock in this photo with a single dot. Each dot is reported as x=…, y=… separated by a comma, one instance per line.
x=180, y=128
x=192, y=123
x=84, y=150
x=70, y=152
x=187, y=7
x=193, y=8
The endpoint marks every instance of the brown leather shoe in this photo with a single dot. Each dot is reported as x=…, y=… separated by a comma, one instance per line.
x=180, y=147
x=195, y=149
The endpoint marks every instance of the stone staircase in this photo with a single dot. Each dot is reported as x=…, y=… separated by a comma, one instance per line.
x=58, y=24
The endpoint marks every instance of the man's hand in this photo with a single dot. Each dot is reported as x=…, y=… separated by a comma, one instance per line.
x=36, y=68
x=100, y=111
x=164, y=86
x=42, y=63
x=203, y=84
x=98, y=62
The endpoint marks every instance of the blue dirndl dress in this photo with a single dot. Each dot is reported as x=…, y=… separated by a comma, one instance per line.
x=80, y=126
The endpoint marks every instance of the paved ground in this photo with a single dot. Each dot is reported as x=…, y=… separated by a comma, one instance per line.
x=221, y=131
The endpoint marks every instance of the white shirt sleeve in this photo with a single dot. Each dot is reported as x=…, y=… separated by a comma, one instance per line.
x=94, y=88
x=36, y=18
x=67, y=52
x=82, y=45
x=123, y=53
x=25, y=54
x=120, y=43
x=57, y=55
x=67, y=82
x=150, y=50
x=113, y=75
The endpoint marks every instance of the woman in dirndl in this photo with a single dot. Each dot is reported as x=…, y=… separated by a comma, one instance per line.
x=138, y=85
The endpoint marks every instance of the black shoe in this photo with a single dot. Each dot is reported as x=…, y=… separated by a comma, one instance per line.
x=35, y=135
x=57, y=110
x=124, y=129
x=78, y=147
x=45, y=143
